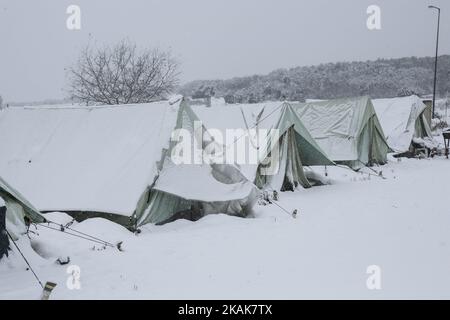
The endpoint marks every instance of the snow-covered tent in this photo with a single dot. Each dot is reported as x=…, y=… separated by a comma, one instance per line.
x=111, y=161
x=272, y=135
x=14, y=209
x=348, y=130
x=404, y=120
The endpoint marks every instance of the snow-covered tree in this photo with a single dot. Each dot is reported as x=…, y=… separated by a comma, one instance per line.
x=405, y=92
x=122, y=74
x=382, y=78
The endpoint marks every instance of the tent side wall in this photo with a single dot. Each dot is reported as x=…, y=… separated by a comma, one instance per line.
x=80, y=216
x=311, y=153
x=372, y=146
x=164, y=207
x=17, y=210
x=10, y=195
x=422, y=122
x=371, y=142
x=428, y=112
x=158, y=207
x=297, y=148
x=155, y=206
x=422, y=128
x=290, y=172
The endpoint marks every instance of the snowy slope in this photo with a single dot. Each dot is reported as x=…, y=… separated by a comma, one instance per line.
x=400, y=224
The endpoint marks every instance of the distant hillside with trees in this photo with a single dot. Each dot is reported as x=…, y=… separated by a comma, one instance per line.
x=383, y=78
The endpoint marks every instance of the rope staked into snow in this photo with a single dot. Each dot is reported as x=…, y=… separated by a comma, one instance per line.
x=82, y=233
x=87, y=237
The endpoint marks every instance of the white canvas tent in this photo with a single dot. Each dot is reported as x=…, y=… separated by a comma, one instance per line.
x=348, y=130
x=106, y=161
x=403, y=120
x=14, y=211
x=295, y=146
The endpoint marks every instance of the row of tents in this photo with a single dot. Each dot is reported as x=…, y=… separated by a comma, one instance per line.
x=115, y=161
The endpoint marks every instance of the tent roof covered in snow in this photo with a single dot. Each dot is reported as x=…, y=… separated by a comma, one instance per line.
x=84, y=158
x=9, y=195
x=403, y=119
x=348, y=130
x=96, y=159
x=253, y=124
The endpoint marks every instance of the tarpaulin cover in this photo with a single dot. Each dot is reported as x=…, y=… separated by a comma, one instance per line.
x=295, y=145
x=348, y=130
x=403, y=119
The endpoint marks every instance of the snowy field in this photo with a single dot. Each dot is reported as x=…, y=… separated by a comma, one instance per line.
x=400, y=224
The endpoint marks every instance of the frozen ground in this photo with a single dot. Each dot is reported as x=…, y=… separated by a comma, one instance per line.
x=400, y=224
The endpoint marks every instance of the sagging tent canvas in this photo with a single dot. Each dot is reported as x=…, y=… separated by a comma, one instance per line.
x=404, y=120
x=14, y=209
x=112, y=162
x=294, y=145
x=348, y=130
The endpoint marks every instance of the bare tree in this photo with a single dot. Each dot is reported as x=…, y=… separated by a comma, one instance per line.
x=122, y=74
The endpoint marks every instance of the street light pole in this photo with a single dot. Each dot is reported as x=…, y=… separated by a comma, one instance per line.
x=436, y=58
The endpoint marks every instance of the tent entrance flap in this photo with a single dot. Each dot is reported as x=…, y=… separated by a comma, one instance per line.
x=290, y=172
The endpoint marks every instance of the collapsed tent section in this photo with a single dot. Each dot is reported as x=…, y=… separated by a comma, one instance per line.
x=405, y=123
x=106, y=161
x=268, y=142
x=348, y=130
x=193, y=188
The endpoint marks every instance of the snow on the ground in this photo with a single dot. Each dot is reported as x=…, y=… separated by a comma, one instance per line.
x=400, y=224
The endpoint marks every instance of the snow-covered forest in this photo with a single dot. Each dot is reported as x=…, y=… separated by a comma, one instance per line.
x=379, y=79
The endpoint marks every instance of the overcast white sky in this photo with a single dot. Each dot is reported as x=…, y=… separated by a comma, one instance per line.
x=212, y=38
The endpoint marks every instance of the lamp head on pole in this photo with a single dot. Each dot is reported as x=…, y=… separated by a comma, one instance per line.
x=434, y=7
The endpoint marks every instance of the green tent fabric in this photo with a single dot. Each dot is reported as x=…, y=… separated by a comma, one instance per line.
x=348, y=130
x=194, y=190
x=296, y=149
x=112, y=162
x=293, y=144
x=17, y=209
x=404, y=120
